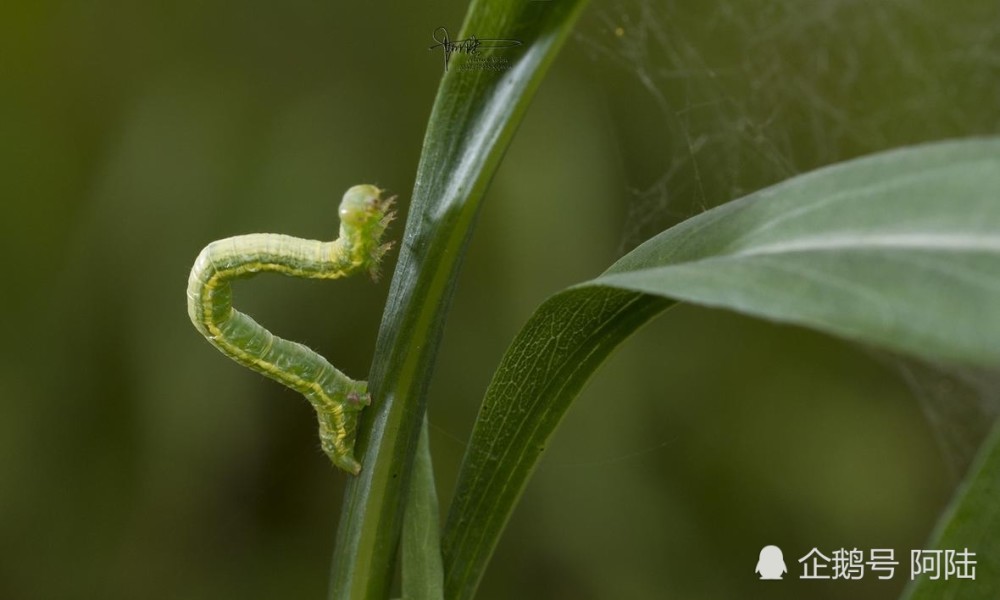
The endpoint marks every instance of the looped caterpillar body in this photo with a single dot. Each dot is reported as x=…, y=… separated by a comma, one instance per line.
x=337, y=398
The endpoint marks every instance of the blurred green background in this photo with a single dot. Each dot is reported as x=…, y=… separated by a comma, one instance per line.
x=136, y=461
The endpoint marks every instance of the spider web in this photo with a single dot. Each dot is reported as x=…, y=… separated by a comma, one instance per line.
x=711, y=101
x=960, y=404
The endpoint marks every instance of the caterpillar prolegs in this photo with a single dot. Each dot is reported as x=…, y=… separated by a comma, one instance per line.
x=337, y=398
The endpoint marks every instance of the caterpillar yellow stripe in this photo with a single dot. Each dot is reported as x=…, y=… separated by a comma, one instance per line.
x=337, y=398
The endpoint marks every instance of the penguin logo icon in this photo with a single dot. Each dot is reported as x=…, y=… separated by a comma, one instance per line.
x=771, y=564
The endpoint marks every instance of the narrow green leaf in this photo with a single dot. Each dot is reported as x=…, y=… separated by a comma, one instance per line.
x=423, y=576
x=542, y=372
x=971, y=523
x=900, y=250
x=474, y=116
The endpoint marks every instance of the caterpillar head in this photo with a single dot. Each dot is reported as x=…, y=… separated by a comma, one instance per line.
x=364, y=215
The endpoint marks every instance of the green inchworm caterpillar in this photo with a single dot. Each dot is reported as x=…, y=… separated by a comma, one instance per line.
x=338, y=399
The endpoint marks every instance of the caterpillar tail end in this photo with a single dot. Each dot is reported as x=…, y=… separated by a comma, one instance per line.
x=341, y=455
x=338, y=427
x=349, y=464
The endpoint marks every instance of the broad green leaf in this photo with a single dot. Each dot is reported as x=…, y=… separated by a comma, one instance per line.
x=972, y=523
x=474, y=116
x=900, y=250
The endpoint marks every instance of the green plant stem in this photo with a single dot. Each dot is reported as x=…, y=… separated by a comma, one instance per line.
x=473, y=120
